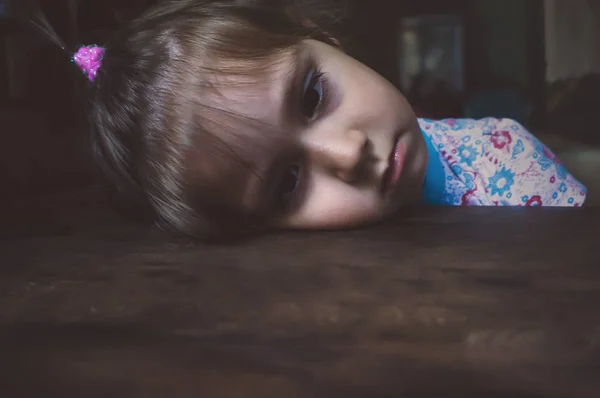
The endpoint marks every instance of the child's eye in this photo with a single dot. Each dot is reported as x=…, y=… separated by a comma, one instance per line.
x=313, y=94
x=287, y=186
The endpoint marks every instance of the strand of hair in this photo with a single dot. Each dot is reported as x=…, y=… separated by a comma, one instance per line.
x=40, y=22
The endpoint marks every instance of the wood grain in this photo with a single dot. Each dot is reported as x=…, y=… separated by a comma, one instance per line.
x=438, y=302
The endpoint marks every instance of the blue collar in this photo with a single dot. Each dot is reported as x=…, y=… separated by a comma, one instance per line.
x=435, y=179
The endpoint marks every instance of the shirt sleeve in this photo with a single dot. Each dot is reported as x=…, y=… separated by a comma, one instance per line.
x=519, y=170
x=497, y=162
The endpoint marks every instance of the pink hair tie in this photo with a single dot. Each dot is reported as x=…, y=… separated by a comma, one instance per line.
x=89, y=60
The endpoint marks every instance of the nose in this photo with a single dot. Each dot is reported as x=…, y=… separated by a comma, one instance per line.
x=341, y=154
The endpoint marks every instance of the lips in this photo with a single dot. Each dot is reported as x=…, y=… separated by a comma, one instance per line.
x=395, y=166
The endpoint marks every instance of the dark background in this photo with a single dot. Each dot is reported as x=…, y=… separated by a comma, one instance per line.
x=501, y=55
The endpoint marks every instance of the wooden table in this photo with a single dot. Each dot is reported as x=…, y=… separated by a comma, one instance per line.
x=440, y=302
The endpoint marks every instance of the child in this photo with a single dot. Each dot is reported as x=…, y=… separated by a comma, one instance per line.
x=235, y=115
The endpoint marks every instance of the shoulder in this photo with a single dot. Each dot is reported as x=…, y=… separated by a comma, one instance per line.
x=493, y=134
x=463, y=125
x=458, y=128
x=509, y=166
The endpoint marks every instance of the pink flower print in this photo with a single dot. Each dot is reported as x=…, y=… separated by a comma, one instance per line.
x=501, y=139
x=534, y=201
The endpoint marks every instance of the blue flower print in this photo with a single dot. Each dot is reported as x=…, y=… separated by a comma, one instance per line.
x=501, y=182
x=546, y=160
x=456, y=169
x=563, y=188
x=518, y=149
x=469, y=181
x=561, y=172
x=489, y=125
x=441, y=126
x=459, y=124
x=468, y=154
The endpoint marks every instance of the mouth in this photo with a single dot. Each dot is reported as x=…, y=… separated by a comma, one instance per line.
x=395, y=165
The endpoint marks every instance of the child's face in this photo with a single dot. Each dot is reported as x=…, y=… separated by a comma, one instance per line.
x=356, y=153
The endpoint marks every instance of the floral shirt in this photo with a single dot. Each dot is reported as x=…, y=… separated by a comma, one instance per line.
x=493, y=162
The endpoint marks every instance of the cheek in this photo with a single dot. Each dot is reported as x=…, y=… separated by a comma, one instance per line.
x=331, y=203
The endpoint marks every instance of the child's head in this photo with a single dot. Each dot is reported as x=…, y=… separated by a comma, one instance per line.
x=228, y=115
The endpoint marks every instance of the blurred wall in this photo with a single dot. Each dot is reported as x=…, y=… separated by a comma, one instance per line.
x=572, y=38
x=506, y=30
